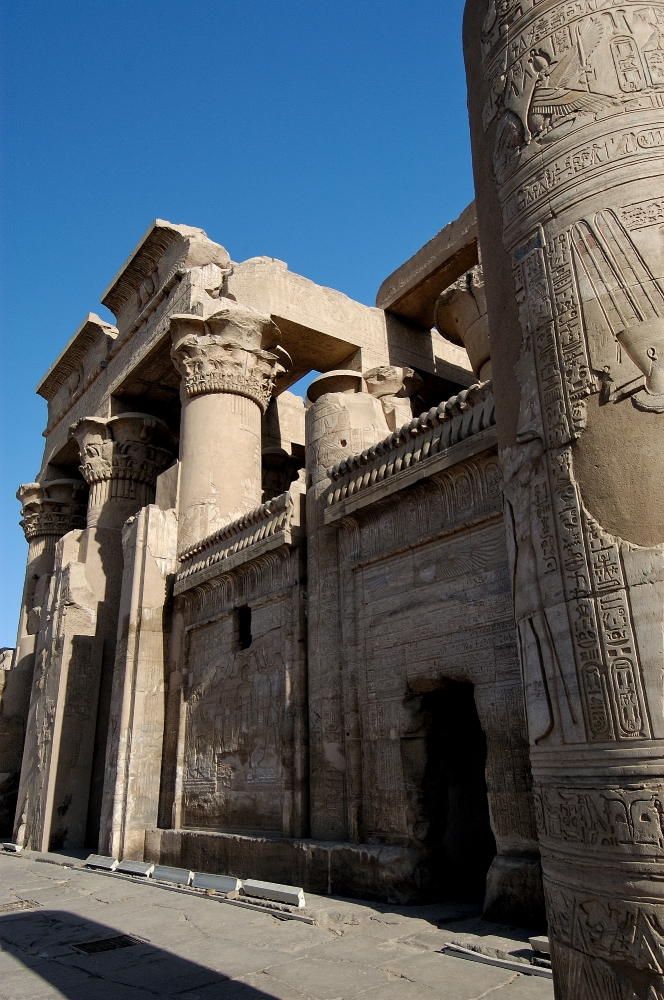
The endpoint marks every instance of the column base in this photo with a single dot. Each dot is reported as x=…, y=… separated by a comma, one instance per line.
x=514, y=893
x=584, y=977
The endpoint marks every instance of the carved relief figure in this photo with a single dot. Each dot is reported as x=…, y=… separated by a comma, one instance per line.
x=233, y=774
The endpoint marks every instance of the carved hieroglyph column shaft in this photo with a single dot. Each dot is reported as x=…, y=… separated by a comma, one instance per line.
x=228, y=364
x=566, y=105
x=344, y=420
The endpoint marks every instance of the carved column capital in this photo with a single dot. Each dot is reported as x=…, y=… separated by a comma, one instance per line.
x=235, y=350
x=461, y=316
x=52, y=508
x=394, y=387
x=132, y=446
x=121, y=458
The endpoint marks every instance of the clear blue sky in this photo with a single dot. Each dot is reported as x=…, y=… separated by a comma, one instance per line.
x=331, y=135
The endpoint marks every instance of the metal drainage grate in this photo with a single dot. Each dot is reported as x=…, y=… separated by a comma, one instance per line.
x=108, y=944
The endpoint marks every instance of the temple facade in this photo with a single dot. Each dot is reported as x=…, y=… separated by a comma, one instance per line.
x=402, y=640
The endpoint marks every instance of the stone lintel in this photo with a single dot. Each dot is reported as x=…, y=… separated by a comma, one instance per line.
x=411, y=291
x=73, y=355
x=183, y=246
x=323, y=329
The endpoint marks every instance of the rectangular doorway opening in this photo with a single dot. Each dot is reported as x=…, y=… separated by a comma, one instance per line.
x=452, y=804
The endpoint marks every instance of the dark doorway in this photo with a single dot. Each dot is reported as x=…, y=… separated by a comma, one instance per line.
x=449, y=752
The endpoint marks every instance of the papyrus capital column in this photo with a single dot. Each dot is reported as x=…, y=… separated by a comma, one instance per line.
x=566, y=105
x=460, y=316
x=49, y=510
x=228, y=364
x=121, y=458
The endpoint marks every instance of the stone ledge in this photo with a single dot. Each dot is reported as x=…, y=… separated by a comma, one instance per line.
x=278, y=522
x=380, y=872
x=411, y=291
x=456, y=430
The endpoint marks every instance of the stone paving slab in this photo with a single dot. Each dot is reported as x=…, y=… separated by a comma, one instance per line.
x=195, y=948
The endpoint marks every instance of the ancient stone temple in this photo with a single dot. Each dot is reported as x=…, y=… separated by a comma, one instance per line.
x=402, y=640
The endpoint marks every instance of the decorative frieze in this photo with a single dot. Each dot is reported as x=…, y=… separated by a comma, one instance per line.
x=233, y=351
x=52, y=508
x=416, y=449
x=272, y=524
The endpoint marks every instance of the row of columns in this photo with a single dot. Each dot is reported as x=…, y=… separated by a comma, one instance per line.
x=228, y=363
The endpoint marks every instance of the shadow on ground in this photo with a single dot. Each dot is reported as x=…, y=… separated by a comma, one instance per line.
x=50, y=943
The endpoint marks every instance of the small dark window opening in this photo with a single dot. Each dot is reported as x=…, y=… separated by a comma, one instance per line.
x=244, y=626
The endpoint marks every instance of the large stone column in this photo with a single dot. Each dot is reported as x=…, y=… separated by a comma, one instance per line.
x=566, y=106
x=49, y=511
x=62, y=780
x=121, y=458
x=344, y=419
x=228, y=364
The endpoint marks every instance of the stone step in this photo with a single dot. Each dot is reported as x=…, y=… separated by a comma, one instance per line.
x=178, y=876
x=143, y=868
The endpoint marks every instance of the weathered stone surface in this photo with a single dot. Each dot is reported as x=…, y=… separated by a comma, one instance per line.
x=567, y=118
x=136, y=731
x=460, y=314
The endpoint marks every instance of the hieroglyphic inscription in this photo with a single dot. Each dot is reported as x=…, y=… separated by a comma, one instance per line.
x=615, y=819
x=549, y=304
x=621, y=930
x=644, y=213
x=451, y=600
x=233, y=775
x=555, y=78
x=599, y=614
x=568, y=169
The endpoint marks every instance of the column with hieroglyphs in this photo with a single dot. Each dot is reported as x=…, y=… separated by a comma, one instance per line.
x=566, y=107
x=61, y=788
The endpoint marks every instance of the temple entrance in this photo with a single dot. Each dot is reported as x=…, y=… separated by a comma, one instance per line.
x=453, y=805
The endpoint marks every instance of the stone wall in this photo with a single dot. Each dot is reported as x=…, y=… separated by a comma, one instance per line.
x=426, y=592
x=242, y=724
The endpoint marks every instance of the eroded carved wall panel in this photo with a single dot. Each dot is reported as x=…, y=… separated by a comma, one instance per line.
x=427, y=597
x=245, y=702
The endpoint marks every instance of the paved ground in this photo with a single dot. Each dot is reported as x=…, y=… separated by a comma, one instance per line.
x=196, y=948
